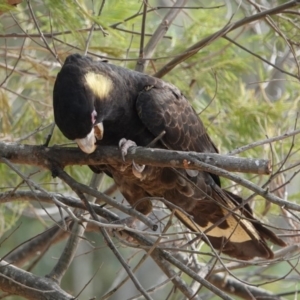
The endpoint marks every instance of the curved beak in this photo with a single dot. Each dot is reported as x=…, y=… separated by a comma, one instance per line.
x=87, y=144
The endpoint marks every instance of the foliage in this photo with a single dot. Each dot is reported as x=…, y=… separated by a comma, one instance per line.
x=245, y=96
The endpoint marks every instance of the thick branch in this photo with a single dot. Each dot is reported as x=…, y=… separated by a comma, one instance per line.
x=39, y=244
x=18, y=282
x=48, y=157
x=44, y=157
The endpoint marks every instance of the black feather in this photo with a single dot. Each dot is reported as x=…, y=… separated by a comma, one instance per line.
x=139, y=107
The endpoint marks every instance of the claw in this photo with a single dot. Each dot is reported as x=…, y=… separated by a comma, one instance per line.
x=192, y=173
x=137, y=169
x=124, y=145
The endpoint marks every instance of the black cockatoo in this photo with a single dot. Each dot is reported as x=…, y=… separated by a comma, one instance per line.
x=97, y=103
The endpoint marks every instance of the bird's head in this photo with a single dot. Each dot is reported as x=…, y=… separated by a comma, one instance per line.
x=78, y=92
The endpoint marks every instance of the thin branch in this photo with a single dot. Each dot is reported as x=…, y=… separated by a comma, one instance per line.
x=67, y=254
x=71, y=182
x=182, y=267
x=251, y=186
x=93, y=29
x=39, y=30
x=260, y=57
x=15, y=65
x=234, y=287
x=221, y=33
x=139, y=66
x=70, y=201
x=159, y=34
x=273, y=25
x=155, y=252
x=263, y=142
x=124, y=264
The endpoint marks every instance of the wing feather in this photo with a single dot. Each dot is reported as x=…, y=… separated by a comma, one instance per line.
x=214, y=211
x=165, y=108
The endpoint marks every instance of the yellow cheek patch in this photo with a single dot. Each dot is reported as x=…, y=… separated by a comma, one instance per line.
x=100, y=84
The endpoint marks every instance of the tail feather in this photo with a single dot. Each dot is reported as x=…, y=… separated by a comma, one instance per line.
x=234, y=231
x=263, y=231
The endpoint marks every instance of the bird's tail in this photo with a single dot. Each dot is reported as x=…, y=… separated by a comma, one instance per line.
x=230, y=226
x=262, y=230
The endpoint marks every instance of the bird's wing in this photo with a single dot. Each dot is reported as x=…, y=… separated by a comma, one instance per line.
x=164, y=108
x=214, y=211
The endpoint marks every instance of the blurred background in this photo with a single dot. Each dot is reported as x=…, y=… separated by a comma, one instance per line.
x=244, y=84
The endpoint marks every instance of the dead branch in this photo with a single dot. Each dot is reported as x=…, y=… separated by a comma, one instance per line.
x=18, y=282
x=159, y=33
x=43, y=157
x=160, y=256
x=234, y=287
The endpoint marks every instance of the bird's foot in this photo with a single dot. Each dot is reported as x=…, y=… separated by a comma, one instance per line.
x=124, y=145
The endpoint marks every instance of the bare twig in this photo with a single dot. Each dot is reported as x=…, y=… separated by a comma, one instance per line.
x=263, y=142
x=92, y=29
x=139, y=66
x=125, y=266
x=260, y=57
x=159, y=34
x=67, y=254
x=154, y=251
x=39, y=30
x=108, y=240
x=222, y=32
x=234, y=287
